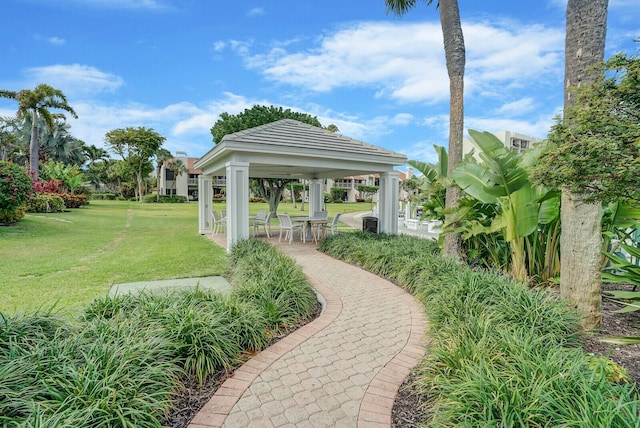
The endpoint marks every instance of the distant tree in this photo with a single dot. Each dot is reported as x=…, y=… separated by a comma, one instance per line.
x=367, y=192
x=94, y=154
x=454, y=51
x=178, y=167
x=38, y=102
x=256, y=116
x=136, y=146
x=8, y=139
x=58, y=145
x=268, y=188
x=332, y=128
x=162, y=156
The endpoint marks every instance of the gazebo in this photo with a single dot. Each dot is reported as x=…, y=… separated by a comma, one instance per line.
x=290, y=149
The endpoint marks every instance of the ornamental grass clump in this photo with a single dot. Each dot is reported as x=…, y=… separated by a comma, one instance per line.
x=499, y=354
x=122, y=363
x=100, y=374
x=273, y=282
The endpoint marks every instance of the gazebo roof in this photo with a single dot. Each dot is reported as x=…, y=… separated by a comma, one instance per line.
x=291, y=149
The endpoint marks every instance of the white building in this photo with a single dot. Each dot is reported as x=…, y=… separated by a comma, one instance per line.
x=517, y=142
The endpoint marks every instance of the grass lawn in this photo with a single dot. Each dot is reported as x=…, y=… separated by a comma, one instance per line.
x=70, y=258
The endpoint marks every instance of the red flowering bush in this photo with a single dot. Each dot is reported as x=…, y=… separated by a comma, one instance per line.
x=15, y=189
x=73, y=201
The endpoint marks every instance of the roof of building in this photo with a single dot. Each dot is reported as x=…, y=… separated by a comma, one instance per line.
x=288, y=148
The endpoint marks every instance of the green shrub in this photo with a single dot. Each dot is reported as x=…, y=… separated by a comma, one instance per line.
x=73, y=201
x=150, y=198
x=166, y=199
x=15, y=185
x=271, y=280
x=15, y=189
x=45, y=203
x=500, y=354
x=12, y=215
x=105, y=196
x=120, y=364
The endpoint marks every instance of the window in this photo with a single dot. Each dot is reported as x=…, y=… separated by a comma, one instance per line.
x=518, y=145
x=170, y=192
x=169, y=175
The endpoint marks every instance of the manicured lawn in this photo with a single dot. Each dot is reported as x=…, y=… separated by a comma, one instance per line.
x=71, y=258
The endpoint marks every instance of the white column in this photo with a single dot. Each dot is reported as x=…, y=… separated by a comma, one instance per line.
x=316, y=196
x=205, y=195
x=237, y=202
x=388, y=202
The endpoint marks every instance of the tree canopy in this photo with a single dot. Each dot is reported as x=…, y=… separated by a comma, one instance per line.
x=136, y=146
x=595, y=148
x=256, y=116
x=268, y=188
x=37, y=103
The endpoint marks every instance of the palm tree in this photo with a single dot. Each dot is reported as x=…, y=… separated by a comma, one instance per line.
x=57, y=144
x=162, y=156
x=95, y=154
x=178, y=167
x=454, y=51
x=581, y=238
x=37, y=102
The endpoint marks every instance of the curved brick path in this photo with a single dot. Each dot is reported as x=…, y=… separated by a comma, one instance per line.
x=341, y=370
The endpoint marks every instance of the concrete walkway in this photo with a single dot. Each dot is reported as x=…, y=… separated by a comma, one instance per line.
x=341, y=370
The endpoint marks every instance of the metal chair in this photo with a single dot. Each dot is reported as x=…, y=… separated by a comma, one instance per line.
x=263, y=219
x=287, y=226
x=334, y=224
x=219, y=223
x=320, y=215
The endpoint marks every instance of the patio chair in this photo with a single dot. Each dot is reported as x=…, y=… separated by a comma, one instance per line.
x=219, y=223
x=224, y=213
x=263, y=219
x=287, y=226
x=334, y=224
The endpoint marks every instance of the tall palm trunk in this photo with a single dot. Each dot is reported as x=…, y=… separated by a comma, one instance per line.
x=34, y=146
x=581, y=238
x=455, y=57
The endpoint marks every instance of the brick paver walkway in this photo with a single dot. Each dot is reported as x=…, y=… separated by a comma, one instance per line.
x=341, y=370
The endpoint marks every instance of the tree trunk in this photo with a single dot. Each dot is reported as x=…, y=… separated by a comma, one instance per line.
x=34, y=152
x=139, y=178
x=581, y=249
x=455, y=57
x=581, y=237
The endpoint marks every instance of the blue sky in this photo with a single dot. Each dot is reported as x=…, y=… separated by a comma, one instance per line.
x=175, y=65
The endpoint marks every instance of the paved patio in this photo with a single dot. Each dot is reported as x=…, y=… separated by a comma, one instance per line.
x=341, y=370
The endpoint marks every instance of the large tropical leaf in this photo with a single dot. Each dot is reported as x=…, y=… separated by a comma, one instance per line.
x=549, y=201
x=471, y=177
x=501, y=175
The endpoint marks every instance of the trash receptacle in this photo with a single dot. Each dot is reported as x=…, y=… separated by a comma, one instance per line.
x=370, y=224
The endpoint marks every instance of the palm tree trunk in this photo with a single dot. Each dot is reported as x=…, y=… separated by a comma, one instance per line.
x=581, y=238
x=454, y=50
x=34, y=152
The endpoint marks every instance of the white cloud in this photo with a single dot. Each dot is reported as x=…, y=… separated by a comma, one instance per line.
x=405, y=61
x=56, y=41
x=74, y=79
x=517, y=108
x=256, y=11
x=219, y=46
x=535, y=127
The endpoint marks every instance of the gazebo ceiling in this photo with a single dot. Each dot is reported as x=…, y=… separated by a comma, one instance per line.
x=291, y=149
